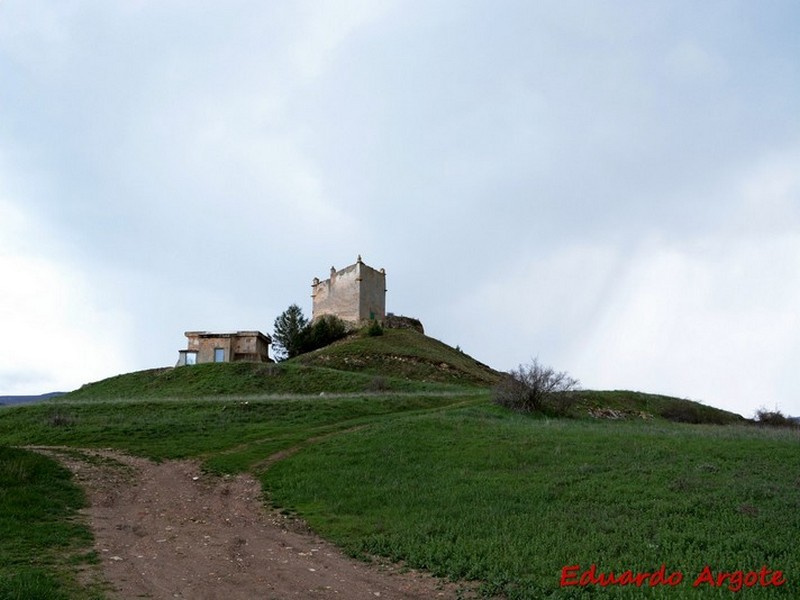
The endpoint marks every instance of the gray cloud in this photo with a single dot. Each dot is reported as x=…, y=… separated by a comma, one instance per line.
x=517, y=168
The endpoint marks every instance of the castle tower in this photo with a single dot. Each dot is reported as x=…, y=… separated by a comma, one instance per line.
x=355, y=294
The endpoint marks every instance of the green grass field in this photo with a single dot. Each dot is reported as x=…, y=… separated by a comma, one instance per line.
x=478, y=493
x=234, y=431
x=432, y=474
x=41, y=546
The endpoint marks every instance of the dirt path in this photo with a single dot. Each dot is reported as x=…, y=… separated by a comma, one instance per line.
x=167, y=531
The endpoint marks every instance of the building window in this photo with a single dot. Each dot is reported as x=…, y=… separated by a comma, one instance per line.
x=186, y=357
x=219, y=354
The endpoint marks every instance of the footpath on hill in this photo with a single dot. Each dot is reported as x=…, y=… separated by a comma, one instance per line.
x=167, y=530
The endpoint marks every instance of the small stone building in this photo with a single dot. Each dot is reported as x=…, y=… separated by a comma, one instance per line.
x=206, y=347
x=355, y=294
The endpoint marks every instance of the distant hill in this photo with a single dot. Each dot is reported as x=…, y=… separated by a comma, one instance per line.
x=12, y=400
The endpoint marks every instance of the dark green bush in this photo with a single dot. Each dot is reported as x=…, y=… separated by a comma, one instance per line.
x=682, y=413
x=375, y=328
x=322, y=332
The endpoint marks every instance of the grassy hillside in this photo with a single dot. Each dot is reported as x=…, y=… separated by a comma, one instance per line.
x=456, y=485
x=398, y=361
x=404, y=456
x=637, y=405
x=244, y=430
x=401, y=360
x=243, y=379
x=403, y=353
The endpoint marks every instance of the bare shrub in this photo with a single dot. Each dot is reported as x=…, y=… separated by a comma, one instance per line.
x=773, y=418
x=536, y=388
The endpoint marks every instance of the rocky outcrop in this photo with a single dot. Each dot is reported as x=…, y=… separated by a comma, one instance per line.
x=392, y=321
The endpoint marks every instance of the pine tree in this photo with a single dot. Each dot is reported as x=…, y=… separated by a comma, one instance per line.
x=289, y=333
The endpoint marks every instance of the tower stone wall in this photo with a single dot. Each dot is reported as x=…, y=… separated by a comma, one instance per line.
x=354, y=294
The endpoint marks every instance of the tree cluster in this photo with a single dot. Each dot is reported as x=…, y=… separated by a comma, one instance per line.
x=293, y=334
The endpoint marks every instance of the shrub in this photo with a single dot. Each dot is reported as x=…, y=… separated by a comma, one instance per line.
x=536, y=388
x=773, y=418
x=375, y=329
x=682, y=413
x=322, y=332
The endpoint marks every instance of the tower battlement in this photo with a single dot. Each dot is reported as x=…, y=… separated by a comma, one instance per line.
x=354, y=294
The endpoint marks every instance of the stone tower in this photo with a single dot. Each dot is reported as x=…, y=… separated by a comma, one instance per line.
x=355, y=294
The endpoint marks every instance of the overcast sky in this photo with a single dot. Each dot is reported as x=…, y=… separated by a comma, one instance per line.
x=613, y=187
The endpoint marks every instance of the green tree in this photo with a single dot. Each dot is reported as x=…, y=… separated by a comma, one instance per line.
x=289, y=333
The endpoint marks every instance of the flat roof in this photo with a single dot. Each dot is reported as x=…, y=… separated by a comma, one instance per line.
x=227, y=334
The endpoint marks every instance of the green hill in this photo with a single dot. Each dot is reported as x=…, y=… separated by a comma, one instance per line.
x=398, y=361
x=621, y=404
x=402, y=353
x=446, y=482
x=242, y=379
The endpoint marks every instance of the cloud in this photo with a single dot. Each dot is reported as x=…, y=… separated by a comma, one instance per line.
x=708, y=314
x=521, y=170
x=769, y=193
x=689, y=62
x=713, y=321
x=61, y=339
x=541, y=303
x=57, y=336
x=326, y=26
x=35, y=33
x=710, y=320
